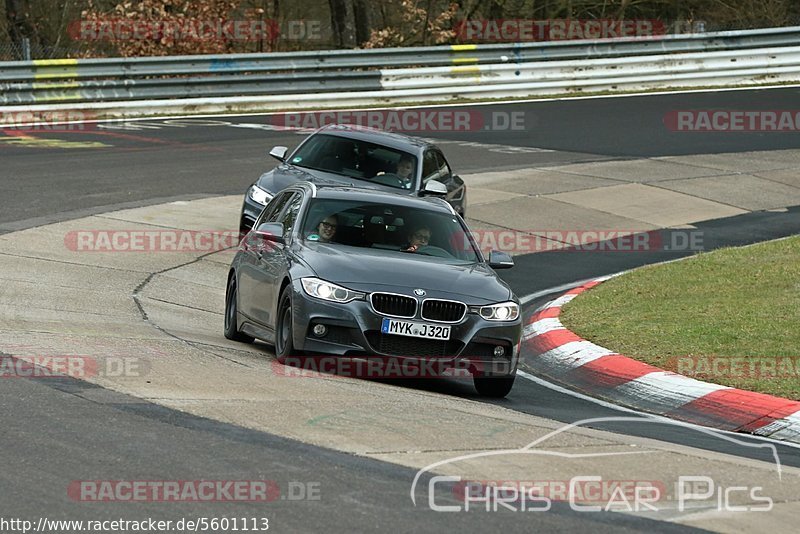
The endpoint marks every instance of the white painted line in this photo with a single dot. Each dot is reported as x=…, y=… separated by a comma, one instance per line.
x=610, y=276
x=611, y=406
x=549, y=291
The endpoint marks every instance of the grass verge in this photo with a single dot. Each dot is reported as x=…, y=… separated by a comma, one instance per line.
x=731, y=316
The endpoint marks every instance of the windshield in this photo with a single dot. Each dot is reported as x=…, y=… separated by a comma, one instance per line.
x=358, y=159
x=389, y=227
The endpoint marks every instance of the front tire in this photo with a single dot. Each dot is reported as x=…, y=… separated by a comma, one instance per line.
x=284, y=331
x=495, y=387
x=231, y=315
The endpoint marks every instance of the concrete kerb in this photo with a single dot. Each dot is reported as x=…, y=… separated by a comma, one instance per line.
x=561, y=355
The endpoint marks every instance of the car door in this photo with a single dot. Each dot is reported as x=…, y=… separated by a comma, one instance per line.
x=249, y=277
x=274, y=263
x=455, y=185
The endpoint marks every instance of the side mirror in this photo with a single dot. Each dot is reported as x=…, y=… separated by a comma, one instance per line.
x=279, y=153
x=500, y=260
x=271, y=231
x=434, y=188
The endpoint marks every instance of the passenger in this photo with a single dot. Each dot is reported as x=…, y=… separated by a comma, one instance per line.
x=326, y=230
x=405, y=170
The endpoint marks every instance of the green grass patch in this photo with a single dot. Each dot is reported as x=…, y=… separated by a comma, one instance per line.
x=731, y=316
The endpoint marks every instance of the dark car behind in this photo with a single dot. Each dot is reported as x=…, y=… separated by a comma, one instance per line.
x=357, y=157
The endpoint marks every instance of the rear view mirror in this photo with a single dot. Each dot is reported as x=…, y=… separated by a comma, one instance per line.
x=279, y=153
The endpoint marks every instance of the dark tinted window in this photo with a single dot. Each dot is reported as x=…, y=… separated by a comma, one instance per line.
x=273, y=208
x=289, y=215
x=444, y=168
x=357, y=159
x=430, y=166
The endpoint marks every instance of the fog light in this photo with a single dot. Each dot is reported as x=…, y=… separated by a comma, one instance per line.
x=320, y=330
x=499, y=351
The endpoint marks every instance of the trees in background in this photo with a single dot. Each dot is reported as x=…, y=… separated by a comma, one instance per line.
x=43, y=24
x=345, y=23
x=416, y=23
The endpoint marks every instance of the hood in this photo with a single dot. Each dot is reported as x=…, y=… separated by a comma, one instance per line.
x=285, y=175
x=364, y=269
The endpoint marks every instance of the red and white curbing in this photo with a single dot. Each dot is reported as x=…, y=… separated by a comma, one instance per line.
x=563, y=356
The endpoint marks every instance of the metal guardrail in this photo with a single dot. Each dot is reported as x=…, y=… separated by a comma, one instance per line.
x=402, y=73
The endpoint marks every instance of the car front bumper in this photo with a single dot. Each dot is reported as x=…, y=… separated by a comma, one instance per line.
x=354, y=330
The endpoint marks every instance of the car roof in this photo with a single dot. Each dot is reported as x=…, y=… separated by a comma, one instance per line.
x=339, y=192
x=363, y=133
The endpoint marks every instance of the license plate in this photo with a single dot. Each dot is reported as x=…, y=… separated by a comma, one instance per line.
x=408, y=328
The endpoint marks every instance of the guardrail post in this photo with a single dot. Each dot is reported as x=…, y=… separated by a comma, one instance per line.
x=26, y=49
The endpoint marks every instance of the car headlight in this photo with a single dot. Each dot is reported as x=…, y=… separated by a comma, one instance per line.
x=259, y=195
x=504, y=311
x=321, y=289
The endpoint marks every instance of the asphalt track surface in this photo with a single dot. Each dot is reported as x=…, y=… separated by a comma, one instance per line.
x=58, y=429
x=61, y=428
x=150, y=164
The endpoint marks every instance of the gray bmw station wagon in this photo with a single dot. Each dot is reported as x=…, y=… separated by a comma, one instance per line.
x=368, y=274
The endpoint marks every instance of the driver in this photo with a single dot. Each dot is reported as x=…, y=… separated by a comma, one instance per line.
x=405, y=170
x=326, y=230
x=419, y=237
